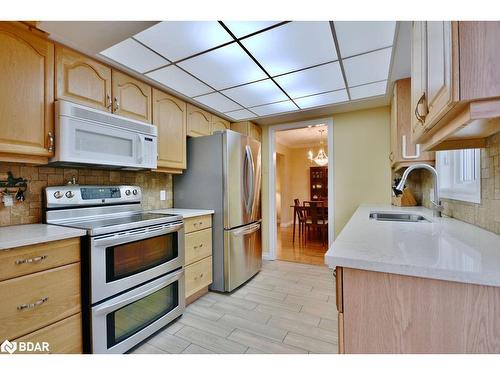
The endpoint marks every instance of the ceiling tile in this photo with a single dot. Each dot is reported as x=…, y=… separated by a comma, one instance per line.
x=256, y=93
x=270, y=109
x=293, y=46
x=365, y=91
x=180, y=39
x=135, y=56
x=218, y=102
x=322, y=99
x=312, y=81
x=242, y=28
x=356, y=37
x=180, y=81
x=224, y=67
x=371, y=67
x=241, y=114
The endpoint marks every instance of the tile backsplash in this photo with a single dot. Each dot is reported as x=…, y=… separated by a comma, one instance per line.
x=30, y=211
x=485, y=214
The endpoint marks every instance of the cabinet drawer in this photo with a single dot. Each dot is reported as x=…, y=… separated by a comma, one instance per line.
x=30, y=259
x=197, y=223
x=37, y=300
x=198, y=275
x=198, y=245
x=63, y=337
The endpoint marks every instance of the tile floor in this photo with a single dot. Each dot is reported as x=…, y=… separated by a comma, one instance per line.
x=286, y=308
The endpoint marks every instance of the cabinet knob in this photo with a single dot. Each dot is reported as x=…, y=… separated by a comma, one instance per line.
x=117, y=105
x=110, y=102
x=50, y=147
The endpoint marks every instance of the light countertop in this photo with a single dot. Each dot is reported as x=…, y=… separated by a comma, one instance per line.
x=30, y=234
x=445, y=249
x=184, y=212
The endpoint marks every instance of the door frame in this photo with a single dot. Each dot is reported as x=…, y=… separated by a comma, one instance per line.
x=271, y=198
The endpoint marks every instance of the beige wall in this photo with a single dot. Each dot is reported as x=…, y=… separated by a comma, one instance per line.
x=361, y=165
x=362, y=173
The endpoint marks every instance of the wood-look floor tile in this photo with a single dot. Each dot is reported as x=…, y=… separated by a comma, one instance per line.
x=206, y=325
x=320, y=296
x=168, y=343
x=211, y=342
x=233, y=300
x=279, y=296
x=268, y=301
x=324, y=310
x=304, y=329
x=262, y=343
x=196, y=349
x=310, y=344
x=254, y=316
x=204, y=312
x=270, y=332
x=146, y=348
x=173, y=327
x=301, y=317
x=310, y=301
x=330, y=324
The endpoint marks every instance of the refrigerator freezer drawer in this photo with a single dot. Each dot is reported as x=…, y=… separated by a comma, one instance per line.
x=243, y=254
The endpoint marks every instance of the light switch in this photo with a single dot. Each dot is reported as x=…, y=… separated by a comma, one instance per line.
x=163, y=195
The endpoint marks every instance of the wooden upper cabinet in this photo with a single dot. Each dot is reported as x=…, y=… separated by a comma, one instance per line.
x=198, y=121
x=248, y=128
x=169, y=115
x=404, y=150
x=82, y=80
x=131, y=97
x=219, y=124
x=26, y=95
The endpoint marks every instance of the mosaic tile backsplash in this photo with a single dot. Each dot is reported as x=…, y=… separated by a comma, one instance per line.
x=485, y=214
x=30, y=211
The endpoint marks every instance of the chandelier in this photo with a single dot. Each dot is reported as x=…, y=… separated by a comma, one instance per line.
x=321, y=158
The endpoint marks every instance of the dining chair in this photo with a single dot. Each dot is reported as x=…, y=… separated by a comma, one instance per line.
x=296, y=204
x=316, y=219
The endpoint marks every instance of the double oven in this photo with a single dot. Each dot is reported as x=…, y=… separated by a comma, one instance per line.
x=132, y=279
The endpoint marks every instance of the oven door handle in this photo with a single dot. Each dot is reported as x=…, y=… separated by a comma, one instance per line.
x=125, y=237
x=114, y=305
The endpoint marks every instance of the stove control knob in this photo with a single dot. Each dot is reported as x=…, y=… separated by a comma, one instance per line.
x=58, y=195
x=134, y=191
x=127, y=192
x=69, y=194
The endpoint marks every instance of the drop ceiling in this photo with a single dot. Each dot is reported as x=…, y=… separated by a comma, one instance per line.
x=250, y=70
x=303, y=137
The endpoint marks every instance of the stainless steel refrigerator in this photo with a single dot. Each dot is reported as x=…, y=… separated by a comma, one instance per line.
x=224, y=174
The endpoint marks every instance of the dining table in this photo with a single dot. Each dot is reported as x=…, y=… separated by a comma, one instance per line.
x=307, y=207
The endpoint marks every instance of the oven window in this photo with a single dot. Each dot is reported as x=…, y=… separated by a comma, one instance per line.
x=134, y=257
x=130, y=319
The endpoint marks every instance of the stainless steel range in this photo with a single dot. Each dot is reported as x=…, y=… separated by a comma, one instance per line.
x=132, y=276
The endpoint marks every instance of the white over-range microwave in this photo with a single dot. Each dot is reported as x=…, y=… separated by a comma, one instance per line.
x=90, y=137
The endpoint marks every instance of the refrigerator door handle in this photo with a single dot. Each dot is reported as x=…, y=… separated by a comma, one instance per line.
x=244, y=231
x=249, y=178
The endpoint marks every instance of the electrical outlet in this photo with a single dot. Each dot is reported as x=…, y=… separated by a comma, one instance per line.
x=163, y=195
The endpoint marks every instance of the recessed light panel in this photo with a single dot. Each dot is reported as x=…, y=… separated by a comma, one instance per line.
x=322, y=99
x=180, y=81
x=357, y=37
x=241, y=114
x=293, y=46
x=218, y=102
x=256, y=93
x=180, y=39
x=134, y=56
x=224, y=67
x=366, y=91
x=242, y=28
x=312, y=81
x=270, y=109
x=368, y=68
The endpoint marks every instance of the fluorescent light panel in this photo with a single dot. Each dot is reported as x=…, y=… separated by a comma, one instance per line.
x=180, y=39
x=224, y=67
x=180, y=81
x=322, y=99
x=134, y=56
x=312, y=81
x=270, y=109
x=366, y=91
x=218, y=102
x=371, y=67
x=357, y=37
x=256, y=93
x=293, y=46
x=241, y=114
x=243, y=28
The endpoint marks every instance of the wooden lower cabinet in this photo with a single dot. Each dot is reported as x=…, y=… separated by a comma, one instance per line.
x=389, y=313
x=63, y=337
x=41, y=295
x=198, y=256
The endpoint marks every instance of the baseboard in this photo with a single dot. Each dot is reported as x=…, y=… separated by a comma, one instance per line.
x=267, y=256
x=287, y=224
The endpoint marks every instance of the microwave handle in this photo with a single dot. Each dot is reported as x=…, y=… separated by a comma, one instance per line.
x=114, y=305
x=140, y=149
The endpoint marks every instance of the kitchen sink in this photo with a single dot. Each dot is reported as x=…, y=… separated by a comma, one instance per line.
x=397, y=216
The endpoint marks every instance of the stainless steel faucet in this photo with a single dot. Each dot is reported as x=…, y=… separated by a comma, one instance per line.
x=436, y=203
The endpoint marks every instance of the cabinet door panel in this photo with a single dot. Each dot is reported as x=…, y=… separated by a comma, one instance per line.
x=198, y=121
x=131, y=97
x=82, y=80
x=169, y=115
x=26, y=92
x=218, y=124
